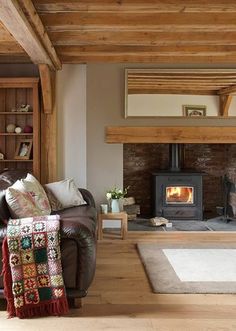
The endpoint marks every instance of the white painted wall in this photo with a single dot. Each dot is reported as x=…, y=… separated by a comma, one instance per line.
x=71, y=102
x=167, y=105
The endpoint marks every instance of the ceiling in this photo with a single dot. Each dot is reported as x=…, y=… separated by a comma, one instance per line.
x=161, y=31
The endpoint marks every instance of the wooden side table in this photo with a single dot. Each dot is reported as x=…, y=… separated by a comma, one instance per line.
x=122, y=216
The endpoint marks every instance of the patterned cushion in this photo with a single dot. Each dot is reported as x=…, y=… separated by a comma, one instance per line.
x=31, y=185
x=21, y=204
x=27, y=194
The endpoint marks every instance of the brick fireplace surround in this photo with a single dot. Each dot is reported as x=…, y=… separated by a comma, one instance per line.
x=215, y=160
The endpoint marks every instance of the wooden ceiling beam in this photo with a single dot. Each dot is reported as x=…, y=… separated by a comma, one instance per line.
x=9, y=48
x=148, y=58
x=155, y=50
x=141, y=38
x=137, y=5
x=140, y=21
x=18, y=24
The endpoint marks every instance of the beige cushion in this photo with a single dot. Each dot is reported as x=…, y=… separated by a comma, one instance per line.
x=27, y=194
x=21, y=204
x=66, y=192
x=54, y=202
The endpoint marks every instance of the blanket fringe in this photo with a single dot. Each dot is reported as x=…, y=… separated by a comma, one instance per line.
x=53, y=308
x=7, y=280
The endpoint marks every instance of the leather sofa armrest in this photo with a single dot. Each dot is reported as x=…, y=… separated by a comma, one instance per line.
x=87, y=197
x=86, y=252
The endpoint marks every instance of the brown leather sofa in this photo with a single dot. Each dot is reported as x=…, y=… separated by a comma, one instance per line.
x=78, y=239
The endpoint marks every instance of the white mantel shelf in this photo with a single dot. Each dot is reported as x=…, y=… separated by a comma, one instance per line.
x=167, y=134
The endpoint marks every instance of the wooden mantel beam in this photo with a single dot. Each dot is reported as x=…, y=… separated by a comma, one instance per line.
x=22, y=21
x=178, y=134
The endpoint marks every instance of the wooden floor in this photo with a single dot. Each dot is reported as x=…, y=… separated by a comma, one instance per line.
x=120, y=297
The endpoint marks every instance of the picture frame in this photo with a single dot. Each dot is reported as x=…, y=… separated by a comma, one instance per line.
x=23, y=149
x=194, y=110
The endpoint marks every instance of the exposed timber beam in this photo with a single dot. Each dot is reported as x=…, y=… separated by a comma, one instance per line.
x=46, y=78
x=225, y=101
x=178, y=134
x=228, y=90
x=136, y=6
x=22, y=21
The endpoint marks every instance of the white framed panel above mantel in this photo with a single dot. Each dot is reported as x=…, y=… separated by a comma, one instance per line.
x=164, y=93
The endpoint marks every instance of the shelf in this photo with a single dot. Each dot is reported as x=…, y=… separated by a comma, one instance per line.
x=16, y=160
x=20, y=91
x=16, y=113
x=15, y=134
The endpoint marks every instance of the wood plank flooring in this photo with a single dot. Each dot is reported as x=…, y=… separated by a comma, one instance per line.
x=120, y=297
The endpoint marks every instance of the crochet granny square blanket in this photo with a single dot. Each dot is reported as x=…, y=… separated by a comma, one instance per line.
x=33, y=282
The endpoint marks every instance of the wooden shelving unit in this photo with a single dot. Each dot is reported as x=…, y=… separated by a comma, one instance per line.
x=13, y=93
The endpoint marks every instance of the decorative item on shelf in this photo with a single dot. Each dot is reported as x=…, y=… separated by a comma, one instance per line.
x=10, y=128
x=194, y=110
x=28, y=129
x=114, y=197
x=23, y=149
x=1, y=156
x=18, y=129
x=24, y=108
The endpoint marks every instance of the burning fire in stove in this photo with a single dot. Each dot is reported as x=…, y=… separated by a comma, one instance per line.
x=179, y=194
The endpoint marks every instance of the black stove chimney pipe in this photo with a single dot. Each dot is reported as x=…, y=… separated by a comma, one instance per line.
x=175, y=157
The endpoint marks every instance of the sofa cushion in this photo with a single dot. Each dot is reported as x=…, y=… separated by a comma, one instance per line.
x=26, y=197
x=32, y=186
x=54, y=202
x=66, y=192
x=21, y=204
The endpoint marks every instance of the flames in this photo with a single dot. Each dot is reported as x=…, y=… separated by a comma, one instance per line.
x=179, y=194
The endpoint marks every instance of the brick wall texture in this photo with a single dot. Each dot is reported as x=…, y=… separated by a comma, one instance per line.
x=215, y=160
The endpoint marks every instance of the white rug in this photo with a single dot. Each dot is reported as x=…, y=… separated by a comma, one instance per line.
x=190, y=269
x=203, y=265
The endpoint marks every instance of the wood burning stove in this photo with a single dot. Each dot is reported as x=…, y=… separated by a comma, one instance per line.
x=177, y=193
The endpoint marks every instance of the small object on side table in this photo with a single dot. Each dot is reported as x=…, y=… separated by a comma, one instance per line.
x=104, y=208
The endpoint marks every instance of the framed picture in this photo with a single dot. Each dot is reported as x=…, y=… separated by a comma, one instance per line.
x=23, y=149
x=194, y=110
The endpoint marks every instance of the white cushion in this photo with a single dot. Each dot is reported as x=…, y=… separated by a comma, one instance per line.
x=66, y=192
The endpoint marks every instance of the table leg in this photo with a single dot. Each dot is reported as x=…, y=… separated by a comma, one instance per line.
x=100, y=233
x=124, y=226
